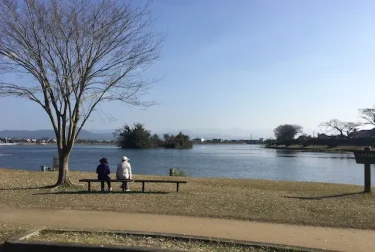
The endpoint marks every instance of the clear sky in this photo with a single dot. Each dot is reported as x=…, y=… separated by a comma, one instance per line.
x=249, y=65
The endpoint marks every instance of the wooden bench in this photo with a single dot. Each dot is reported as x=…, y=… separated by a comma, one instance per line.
x=143, y=181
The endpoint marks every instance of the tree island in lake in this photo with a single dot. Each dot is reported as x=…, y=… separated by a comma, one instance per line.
x=137, y=137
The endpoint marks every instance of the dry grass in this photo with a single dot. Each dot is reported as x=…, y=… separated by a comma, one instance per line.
x=7, y=231
x=319, y=204
x=145, y=241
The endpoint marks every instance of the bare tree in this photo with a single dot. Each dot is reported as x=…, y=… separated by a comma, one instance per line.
x=341, y=127
x=334, y=125
x=73, y=55
x=350, y=128
x=368, y=114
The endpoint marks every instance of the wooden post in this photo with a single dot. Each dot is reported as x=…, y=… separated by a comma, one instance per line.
x=89, y=187
x=366, y=157
x=367, y=178
x=178, y=184
x=143, y=186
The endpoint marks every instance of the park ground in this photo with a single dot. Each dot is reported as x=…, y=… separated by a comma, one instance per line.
x=255, y=202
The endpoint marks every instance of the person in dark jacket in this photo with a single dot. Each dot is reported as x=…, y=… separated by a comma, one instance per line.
x=103, y=172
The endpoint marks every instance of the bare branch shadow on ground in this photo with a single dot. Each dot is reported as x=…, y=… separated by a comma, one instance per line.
x=323, y=197
x=97, y=192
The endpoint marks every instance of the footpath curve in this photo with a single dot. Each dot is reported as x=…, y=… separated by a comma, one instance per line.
x=304, y=236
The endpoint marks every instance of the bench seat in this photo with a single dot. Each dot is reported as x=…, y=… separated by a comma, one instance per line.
x=143, y=181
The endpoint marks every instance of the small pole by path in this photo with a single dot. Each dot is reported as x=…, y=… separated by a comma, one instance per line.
x=366, y=157
x=367, y=178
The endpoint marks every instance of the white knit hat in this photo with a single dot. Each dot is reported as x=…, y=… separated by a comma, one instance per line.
x=125, y=158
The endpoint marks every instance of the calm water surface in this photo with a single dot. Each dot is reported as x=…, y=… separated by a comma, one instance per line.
x=231, y=161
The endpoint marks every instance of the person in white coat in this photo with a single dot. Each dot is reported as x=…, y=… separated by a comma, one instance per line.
x=124, y=171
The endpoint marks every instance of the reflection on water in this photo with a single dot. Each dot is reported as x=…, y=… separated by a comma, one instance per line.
x=233, y=161
x=299, y=153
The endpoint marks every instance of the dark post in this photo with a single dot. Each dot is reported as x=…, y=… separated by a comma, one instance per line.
x=367, y=178
x=367, y=173
x=366, y=157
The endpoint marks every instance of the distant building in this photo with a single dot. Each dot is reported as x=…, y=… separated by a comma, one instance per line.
x=364, y=133
x=324, y=136
x=198, y=140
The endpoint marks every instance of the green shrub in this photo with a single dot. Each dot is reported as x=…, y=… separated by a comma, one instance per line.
x=179, y=173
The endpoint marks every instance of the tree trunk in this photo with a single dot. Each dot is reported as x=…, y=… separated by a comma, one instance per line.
x=63, y=178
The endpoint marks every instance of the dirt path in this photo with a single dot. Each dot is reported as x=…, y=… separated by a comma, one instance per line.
x=305, y=236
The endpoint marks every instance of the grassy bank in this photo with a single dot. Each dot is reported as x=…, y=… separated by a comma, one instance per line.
x=129, y=240
x=317, y=148
x=146, y=241
x=320, y=204
x=7, y=231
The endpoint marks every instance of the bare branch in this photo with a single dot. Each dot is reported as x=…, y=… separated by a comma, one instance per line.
x=368, y=114
x=334, y=125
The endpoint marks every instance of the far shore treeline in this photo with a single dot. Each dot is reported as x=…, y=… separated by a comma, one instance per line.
x=137, y=137
x=342, y=133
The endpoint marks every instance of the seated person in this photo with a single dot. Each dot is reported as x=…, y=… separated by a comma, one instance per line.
x=124, y=171
x=103, y=172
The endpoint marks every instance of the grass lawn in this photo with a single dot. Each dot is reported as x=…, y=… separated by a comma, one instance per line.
x=145, y=241
x=319, y=204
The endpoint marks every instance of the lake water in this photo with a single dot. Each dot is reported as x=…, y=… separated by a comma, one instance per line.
x=231, y=161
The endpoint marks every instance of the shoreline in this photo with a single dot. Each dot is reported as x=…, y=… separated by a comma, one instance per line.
x=114, y=144
x=167, y=176
x=317, y=148
x=54, y=144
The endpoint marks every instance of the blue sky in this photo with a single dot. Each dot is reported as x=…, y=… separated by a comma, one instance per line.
x=250, y=65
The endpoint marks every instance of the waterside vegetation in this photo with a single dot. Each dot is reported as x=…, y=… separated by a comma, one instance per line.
x=137, y=137
x=345, y=136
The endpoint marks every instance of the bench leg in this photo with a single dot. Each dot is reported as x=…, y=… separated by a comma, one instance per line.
x=123, y=187
x=178, y=185
x=89, y=186
x=143, y=186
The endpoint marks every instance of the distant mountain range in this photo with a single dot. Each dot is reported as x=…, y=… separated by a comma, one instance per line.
x=228, y=134
x=94, y=134
x=31, y=134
